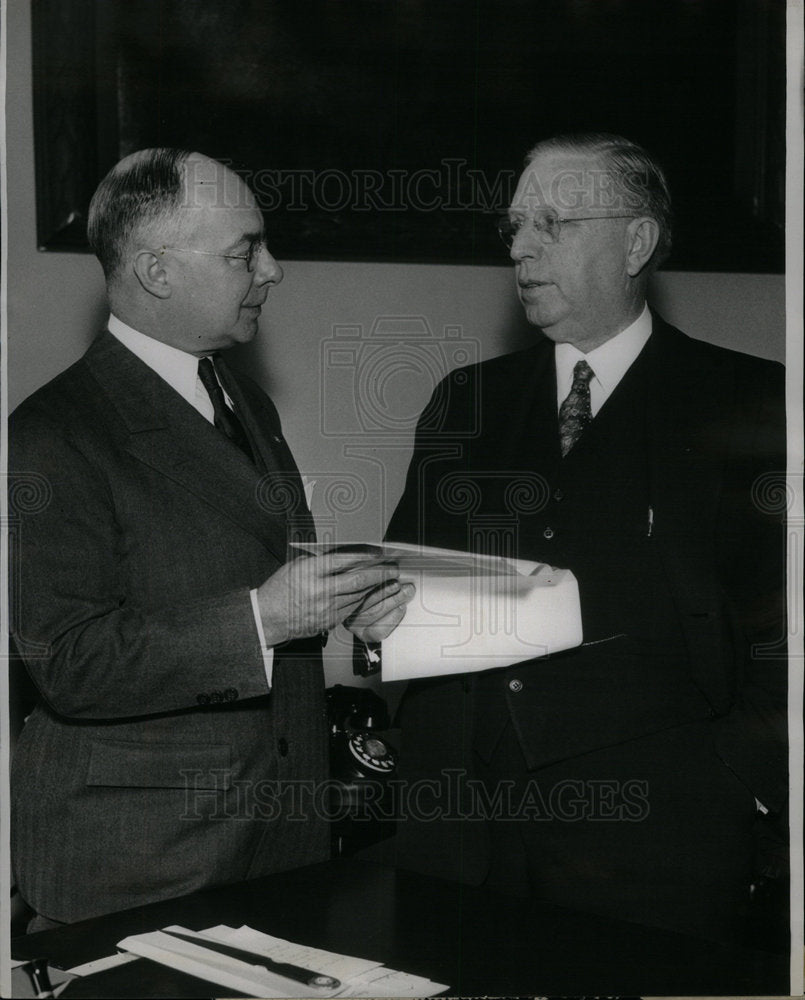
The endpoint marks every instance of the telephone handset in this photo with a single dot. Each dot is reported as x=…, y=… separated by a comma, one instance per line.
x=357, y=752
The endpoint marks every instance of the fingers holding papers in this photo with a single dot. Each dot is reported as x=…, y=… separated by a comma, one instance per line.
x=314, y=593
x=381, y=611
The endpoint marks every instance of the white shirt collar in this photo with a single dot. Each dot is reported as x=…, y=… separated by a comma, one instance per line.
x=609, y=362
x=178, y=368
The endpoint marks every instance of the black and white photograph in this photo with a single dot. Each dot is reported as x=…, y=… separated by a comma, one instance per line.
x=402, y=518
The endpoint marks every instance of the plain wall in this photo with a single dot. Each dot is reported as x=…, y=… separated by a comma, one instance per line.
x=320, y=336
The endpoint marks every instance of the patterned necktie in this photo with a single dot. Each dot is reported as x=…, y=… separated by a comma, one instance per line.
x=226, y=420
x=575, y=412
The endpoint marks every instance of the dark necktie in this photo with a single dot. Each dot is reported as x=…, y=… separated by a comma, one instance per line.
x=575, y=412
x=226, y=420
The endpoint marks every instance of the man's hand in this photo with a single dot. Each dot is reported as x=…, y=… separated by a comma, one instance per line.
x=314, y=593
x=381, y=611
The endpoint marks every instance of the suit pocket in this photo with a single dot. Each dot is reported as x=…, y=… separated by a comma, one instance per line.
x=130, y=764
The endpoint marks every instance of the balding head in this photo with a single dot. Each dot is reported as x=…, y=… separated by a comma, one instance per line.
x=138, y=199
x=181, y=240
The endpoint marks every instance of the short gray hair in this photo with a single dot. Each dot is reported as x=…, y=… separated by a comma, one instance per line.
x=143, y=188
x=635, y=170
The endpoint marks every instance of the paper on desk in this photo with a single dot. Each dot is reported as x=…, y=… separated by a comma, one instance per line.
x=359, y=977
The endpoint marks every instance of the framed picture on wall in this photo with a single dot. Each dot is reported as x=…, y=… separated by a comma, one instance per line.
x=396, y=131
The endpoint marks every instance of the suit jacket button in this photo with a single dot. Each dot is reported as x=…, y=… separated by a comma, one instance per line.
x=203, y=699
x=231, y=694
x=548, y=533
x=515, y=685
x=282, y=746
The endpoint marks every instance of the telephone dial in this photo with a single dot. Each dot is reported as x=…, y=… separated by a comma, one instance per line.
x=361, y=762
x=356, y=750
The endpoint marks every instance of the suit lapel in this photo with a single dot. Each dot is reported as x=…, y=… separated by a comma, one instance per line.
x=262, y=436
x=686, y=402
x=280, y=490
x=521, y=404
x=169, y=435
x=544, y=413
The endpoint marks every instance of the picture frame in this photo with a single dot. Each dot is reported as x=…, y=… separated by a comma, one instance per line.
x=396, y=132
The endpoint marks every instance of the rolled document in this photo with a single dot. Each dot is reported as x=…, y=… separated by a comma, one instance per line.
x=473, y=612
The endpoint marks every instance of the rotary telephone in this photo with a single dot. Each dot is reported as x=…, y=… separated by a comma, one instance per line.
x=361, y=762
x=357, y=752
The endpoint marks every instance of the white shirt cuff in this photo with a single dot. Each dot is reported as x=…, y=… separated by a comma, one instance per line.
x=267, y=651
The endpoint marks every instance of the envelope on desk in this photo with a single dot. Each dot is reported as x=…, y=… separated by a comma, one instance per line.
x=472, y=612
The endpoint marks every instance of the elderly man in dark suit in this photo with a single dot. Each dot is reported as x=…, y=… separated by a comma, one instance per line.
x=625, y=776
x=177, y=649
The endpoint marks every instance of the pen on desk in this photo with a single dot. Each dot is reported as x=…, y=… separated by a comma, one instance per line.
x=37, y=970
x=295, y=972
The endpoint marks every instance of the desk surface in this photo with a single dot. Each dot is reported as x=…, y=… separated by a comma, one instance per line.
x=478, y=941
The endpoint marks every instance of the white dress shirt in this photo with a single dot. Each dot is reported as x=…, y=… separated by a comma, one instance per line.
x=609, y=362
x=180, y=370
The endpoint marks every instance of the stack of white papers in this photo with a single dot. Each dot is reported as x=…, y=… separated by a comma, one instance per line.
x=359, y=977
x=472, y=612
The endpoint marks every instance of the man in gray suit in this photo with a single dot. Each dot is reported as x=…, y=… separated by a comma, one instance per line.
x=180, y=735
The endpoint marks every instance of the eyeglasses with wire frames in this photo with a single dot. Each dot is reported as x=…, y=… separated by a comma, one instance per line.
x=255, y=249
x=547, y=225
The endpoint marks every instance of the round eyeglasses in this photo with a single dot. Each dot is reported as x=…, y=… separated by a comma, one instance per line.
x=547, y=225
x=255, y=249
